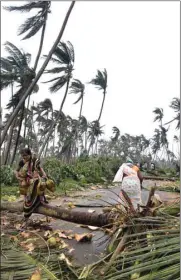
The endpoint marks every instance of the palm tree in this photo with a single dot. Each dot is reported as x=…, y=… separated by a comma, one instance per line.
x=175, y=105
x=78, y=87
x=46, y=107
x=159, y=115
x=15, y=69
x=33, y=24
x=32, y=85
x=64, y=57
x=156, y=146
x=83, y=127
x=100, y=81
x=116, y=133
x=95, y=130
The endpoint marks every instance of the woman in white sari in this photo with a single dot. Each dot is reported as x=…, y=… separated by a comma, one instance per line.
x=130, y=179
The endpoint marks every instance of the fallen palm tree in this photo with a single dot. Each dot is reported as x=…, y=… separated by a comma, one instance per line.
x=144, y=243
x=85, y=218
x=142, y=247
x=158, y=178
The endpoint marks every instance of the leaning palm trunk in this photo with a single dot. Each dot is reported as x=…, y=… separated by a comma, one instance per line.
x=8, y=145
x=26, y=117
x=41, y=44
x=81, y=106
x=18, y=135
x=104, y=96
x=30, y=88
x=92, y=141
x=54, y=123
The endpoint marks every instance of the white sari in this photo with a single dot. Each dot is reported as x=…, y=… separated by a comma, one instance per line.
x=130, y=184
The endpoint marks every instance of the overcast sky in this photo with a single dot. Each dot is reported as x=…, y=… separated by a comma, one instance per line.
x=137, y=42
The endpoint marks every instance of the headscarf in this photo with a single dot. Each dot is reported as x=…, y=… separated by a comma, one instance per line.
x=129, y=160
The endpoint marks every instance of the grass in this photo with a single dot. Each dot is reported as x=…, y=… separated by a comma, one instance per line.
x=8, y=192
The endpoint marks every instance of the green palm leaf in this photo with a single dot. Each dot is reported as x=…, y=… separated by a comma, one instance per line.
x=25, y=8
x=59, y=84
x=56, y=70
x=100, y=80
x=33, y=24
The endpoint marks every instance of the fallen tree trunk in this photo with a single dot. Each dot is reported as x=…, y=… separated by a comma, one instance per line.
x=158, y=178
x=84, y=218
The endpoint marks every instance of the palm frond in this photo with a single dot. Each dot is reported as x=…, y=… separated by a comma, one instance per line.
x=56, y=70
x=52, y=59
x=33, y=25
x=25, y=8
x=175, y=104
x=19, y=265
x=79, y=98
x=100, y=80
x=77, y=86
x=58, y=84
x=54, y=79
x=17, y=58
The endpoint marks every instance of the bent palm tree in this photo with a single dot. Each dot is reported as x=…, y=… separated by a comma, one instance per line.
x=33, y=24
x=64, y=57
x=159, y=115
x=95, y=130
x=15, y=69
x=32, y=85
x=116, y=133
x=175, y=105
x=78, y=87
x=100, y=81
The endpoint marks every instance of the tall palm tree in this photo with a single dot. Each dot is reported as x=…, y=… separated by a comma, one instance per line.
x=15, y=69
x=76, y=88
x=100, y=81
x=159, y=115
x=64, y=57
x=95, y=130
x=156, y=145
x=175, y=105
x=83, y=127
x=46, y=107
x=33, y=24
x=116, y=133
x=40, y=72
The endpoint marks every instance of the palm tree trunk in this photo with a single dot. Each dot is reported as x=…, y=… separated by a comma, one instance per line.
x=24, y=135
x=92, y=141
x=104, y=96
x=54, y=142
x=12, y=93
x=84, y=218
x=30, y=88
x=46, y=150
x=41, y=44
x=8, y=145
x=81, y=106
x=54, y=123
x=85, y=148
x=18, y=135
